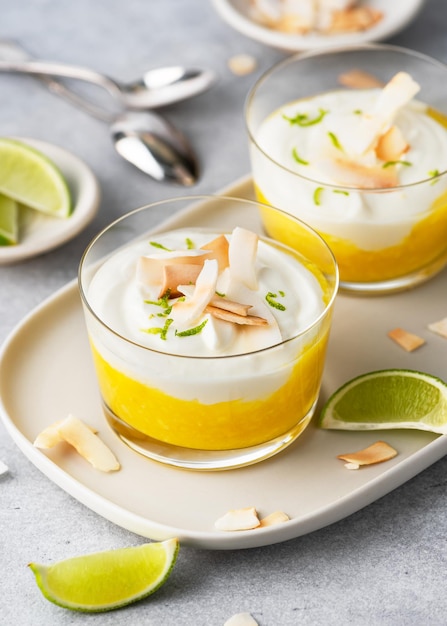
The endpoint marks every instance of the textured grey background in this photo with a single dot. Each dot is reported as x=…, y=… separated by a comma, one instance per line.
x=385, y=565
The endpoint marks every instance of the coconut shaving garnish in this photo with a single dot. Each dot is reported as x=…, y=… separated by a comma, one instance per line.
x=248, y=519
x=439, y=327
x=84, y=440
x=184, y=284
x=406, y=340
x=303, y=17
x=364, y=148
x=378, y=452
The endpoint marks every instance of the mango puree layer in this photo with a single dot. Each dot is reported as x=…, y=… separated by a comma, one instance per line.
x=223, y=425
x=426, y=242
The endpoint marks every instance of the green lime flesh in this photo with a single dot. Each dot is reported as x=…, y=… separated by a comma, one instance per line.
x=31, y=178
x=388, y=399
x=107, y=580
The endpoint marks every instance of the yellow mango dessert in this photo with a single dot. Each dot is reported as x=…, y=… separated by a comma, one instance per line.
x=364, y=167
x=208, y=341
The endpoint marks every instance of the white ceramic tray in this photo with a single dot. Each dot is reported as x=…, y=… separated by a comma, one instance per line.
x=46, y=372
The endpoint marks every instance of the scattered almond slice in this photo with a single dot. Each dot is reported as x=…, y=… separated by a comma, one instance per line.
x=3, y=468
x=278, y=517
x=229, y=316
x=242, y=256
x=186, y=312
x=241, y=619
x=218, y=248
x=358, y=79
x=51, y=436
x=391, y=145
x=440, y=327
x=376, y=453
x=230, y=305
x=406, y=340
x=242, y=64
x=238, y=519
x=83, y=439
x=177, y=274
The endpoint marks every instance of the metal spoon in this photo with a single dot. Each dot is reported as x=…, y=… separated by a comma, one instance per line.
x=157, y=87
x=145, y=139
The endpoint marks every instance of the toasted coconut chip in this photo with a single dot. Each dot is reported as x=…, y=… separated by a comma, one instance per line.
x=352, y=466
x=391, y=145
x=229, y=316
x=354, y=19
x=241, y=619
x=88, y=445
x=357, y=175
x=219, y=250
x=150, y=268
x=175, y=275
x=440, y=327
x=186, y=312
x=242, y=256
x=238, y=519
x=397, y=93
x=278, y=517
x=51, y=436
x=358, y=79
x=230, y=305
x=294, y=24
x=407, y=341
x=376, y=453
x=242, y=64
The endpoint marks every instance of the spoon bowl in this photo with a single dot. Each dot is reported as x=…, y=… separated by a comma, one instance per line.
x=156, y=88
x=144, y=138
x=152, y=144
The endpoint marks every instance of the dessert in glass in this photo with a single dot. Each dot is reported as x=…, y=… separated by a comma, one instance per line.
x=208, y=338
x=354, y=143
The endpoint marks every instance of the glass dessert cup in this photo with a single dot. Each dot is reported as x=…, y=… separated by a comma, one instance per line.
x=212, y=408
x=385, y=236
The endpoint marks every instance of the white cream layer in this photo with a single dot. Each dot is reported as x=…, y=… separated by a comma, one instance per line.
x=370, y=219
x=130, y=310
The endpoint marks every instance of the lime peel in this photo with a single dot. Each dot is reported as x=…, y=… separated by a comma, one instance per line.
x=107, y=580
x=9, y=221
x=388, y=399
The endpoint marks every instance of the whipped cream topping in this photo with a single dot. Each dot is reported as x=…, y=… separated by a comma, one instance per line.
x=331, y=141
x=286, y=294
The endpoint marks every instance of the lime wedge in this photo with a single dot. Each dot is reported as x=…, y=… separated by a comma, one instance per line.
x=30, y=178
x=103, y=581
x=388, y=399
x=9, y=221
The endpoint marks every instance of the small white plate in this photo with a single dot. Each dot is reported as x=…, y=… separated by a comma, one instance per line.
x=396, y=16
x=307, y=481
x=40, y=232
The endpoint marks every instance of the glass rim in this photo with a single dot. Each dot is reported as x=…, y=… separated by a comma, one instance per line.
x=299, y=56
x=204, y=197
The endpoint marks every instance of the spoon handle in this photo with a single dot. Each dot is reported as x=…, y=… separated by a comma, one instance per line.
x=43, y=68
x=11, y=51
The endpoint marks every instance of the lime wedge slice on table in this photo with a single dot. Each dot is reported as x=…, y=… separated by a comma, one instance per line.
x=388, y=399
x=9, y=221
x=29, y=177
x=103, y=581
